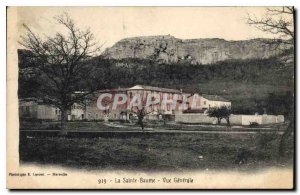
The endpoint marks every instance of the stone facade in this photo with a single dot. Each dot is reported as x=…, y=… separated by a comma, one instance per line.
x=121, y=112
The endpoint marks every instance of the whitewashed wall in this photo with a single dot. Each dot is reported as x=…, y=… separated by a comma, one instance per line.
x=234, y=119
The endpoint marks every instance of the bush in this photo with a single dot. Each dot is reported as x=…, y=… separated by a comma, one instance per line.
x=253, y=124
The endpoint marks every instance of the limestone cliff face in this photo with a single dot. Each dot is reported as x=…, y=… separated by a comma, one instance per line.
x=169, y=49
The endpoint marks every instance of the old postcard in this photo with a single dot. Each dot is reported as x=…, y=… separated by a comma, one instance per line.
x=150, y=98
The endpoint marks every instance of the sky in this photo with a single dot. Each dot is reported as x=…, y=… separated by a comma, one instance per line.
x=111, y=24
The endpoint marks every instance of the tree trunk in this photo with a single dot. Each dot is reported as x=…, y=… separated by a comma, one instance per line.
x=219, y=121
x=228, y=122
x=284, y=137
x=141, y=123
x=63, y=120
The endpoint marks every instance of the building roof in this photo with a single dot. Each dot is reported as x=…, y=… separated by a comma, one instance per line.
x=195, y=111
x=151, y=88
x=113, y=90
x=214, y=98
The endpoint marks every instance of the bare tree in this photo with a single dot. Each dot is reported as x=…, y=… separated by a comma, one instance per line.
x=141, y=114
x=62, y=60
x=106, y=111
x=277, y=21
x=141, y=111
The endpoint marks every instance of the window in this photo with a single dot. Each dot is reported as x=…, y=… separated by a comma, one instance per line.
x=57, y=111
x=204, y=103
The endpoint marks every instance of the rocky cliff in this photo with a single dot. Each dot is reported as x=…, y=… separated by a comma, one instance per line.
x=169, y=49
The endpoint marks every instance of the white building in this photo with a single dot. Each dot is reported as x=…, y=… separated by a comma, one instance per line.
x=213, y=101
x=202, y=103
x=159, y=108
x=32, y=108
x=77, y=112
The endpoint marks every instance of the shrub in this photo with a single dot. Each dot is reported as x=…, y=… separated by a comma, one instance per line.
x=253, y=124
x=219, y=113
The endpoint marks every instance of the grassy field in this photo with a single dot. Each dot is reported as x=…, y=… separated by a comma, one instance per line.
x=157, y=151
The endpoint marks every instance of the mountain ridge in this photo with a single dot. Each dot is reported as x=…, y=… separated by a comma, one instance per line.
x=169, y=49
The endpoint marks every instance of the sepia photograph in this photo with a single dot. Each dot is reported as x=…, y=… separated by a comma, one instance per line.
x=150, y=97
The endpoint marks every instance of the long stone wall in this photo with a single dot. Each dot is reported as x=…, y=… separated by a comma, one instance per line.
x=194, y=118
x=234, y=119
